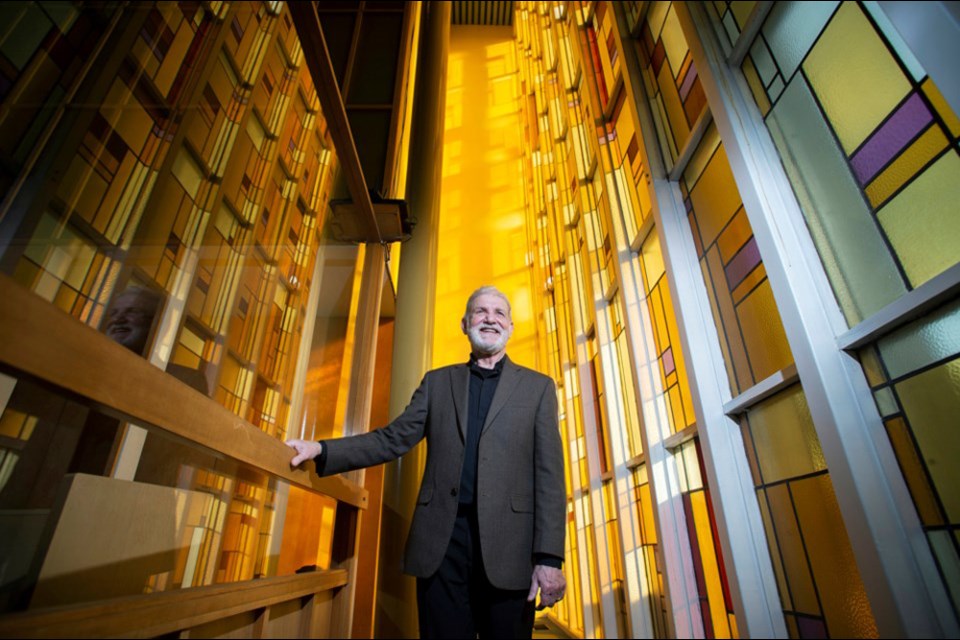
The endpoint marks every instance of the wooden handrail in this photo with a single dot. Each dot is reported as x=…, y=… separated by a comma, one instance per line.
x=154, y=614
x=41, y=340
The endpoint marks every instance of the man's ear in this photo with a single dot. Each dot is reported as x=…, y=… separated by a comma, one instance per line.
x=463, y=326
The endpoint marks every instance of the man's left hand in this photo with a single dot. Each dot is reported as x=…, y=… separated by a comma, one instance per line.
x=551, y=584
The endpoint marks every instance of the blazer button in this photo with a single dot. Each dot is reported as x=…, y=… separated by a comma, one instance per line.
x=453, y=492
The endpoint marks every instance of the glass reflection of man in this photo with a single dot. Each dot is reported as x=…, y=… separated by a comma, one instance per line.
x=130, y=317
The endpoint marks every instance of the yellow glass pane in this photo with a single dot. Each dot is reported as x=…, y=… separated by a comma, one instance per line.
x=652, y=257
x=677, y=422
x=715, y=197
x=674, y=43
x=854, y=75
x=774, y=551
x=752, y=280
x=938, y=102
x=845, y=605
x=756, y=87
x=742, y=10
x=715, y=308
x=871, y=366
x=931, y=401
x=659, y=322
x=910, y=162
x=701, y=156
x=784, y=436
x=751, y=452
x=711, y=569
x=912, y=467
x=922, y=222
x=792, y=630
x=649, y=523
x=674, y=107
x=796, y=570
x=763, y=334
x=734, y=236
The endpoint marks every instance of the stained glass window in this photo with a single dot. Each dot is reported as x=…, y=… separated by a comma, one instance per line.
x=751, y=333
x=820, y=586
x=732, y=17
x=666, y=335
x=670, y=77
x=653, y=569
x=914, y=374
x=194, y=164
x=868, y=143
x=716, y=606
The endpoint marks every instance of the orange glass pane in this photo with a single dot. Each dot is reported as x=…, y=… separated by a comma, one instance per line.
x=792, y=550
x=845, y=605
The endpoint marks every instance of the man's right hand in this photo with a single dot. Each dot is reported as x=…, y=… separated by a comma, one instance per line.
x=305, y=449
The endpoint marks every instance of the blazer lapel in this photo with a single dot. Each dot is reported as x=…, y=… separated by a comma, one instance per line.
x=459, y=388
x=509, y=378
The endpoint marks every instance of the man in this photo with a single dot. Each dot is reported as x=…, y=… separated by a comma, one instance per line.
x=488, y=529
x=130, y=317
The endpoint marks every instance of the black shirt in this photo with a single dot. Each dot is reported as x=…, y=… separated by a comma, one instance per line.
x=483, y=384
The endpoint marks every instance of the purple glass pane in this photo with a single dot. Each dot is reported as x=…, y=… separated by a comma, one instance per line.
x=890, y=139
x=743, y=263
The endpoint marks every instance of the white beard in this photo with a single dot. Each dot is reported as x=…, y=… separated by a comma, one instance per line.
x=480, y=347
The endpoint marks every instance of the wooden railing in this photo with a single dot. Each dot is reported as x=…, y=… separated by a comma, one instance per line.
x=41, y=342
x=290, y=606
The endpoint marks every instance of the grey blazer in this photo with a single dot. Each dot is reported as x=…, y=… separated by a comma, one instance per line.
x=521, y=489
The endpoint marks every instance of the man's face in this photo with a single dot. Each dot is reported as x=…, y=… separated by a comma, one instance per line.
x=129, y=319
x=488, y=324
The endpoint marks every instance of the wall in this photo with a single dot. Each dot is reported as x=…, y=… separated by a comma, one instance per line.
x=482, y=232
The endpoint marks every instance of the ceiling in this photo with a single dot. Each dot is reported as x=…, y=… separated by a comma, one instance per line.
x=491, y=14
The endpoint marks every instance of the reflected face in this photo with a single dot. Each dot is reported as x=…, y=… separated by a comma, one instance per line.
x=129, y=319
x=488, y=324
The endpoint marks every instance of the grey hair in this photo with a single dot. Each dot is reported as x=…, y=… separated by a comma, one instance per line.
x=485, y=290
x=149, y=296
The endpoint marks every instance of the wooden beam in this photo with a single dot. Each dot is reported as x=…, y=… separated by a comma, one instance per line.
x=44, y=342
x=317, y=55
x=154, y=614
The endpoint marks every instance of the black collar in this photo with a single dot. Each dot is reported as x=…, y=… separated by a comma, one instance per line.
x=486, y=373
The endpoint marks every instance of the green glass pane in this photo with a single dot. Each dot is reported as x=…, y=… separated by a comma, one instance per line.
x=922, y=342
x=886, y=403
x=27, y=33
x=763, y=61
x=62, y=13
x=945, y=548
x=791, y=29
x=856, y=258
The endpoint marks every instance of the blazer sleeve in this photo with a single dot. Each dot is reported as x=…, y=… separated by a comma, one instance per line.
x=550, y=483
x=380, y=445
